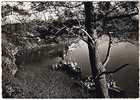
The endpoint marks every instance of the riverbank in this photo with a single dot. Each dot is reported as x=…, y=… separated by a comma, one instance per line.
x=24, y=82
x=12, y=47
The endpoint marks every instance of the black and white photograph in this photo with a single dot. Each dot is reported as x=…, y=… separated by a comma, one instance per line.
x=69, y=49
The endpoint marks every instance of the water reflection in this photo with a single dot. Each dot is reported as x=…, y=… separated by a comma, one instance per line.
x=121, y=53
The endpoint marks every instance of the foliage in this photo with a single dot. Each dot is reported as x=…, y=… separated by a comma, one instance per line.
x=108, y=15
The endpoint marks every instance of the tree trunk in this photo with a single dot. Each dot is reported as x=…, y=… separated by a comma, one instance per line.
x=95, y=61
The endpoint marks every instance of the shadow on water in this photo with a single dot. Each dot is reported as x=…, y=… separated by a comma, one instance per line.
x=37, y=56
x=121, y=53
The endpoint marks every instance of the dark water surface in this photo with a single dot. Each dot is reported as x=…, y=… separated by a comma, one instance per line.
x=121, y=53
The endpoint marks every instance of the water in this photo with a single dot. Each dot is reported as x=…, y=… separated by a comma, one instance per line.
x=121, y=53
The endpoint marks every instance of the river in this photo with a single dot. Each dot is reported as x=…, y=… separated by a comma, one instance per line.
x=121, y=53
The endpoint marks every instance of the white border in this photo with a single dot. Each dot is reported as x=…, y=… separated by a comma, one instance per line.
x=61, y=0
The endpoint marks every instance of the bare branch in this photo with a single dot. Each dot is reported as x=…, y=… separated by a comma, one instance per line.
x=60, y=32
x=111, y=72
x=92, y=39
x=79, y=37
x=108, y=52
x=18, y=19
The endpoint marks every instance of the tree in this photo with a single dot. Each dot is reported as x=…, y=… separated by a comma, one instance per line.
x=97, y=65
x=95, y=61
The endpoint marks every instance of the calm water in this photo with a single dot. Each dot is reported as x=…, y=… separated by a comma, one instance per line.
x=121, y=53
